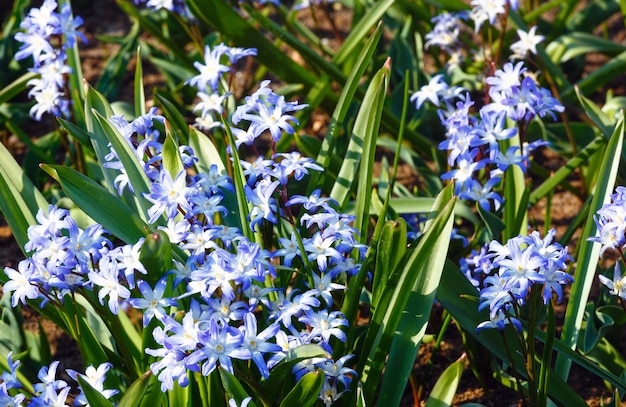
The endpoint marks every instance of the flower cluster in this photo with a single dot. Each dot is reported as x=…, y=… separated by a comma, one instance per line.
x=522, y=263
x=229, y=309
x=51, y=391
x=49, y=33
x=473, y=143
x=611, y=224
x=62, y=256
x=211, y=84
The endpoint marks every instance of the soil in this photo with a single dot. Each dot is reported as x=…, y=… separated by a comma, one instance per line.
x=105, y=18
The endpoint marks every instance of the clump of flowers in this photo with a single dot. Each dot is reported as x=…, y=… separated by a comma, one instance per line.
x=51, y=390
x=48, y=34
x=225, y=299
x=507, y=273
x=611, y=223
x=473, y=142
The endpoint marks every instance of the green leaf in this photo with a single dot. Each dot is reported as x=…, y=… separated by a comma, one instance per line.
x=243, y=207
x=93, y=396
x=495, y=226
x=391, y=247
x=137, y=391
x=597, y=116
x=175, y=119
x=447, y=384
x=281, y=373
x=78, y=133
x=95, y=100
x=156, y=256
x=399, y=323
x=233, y=387
x=343, y=105
x=600, y=77
x=359, y=32
x=604, y=321
x=20, y=200
x=90, y=347
x=306, y=392
x=16, y=87
x=588, y=254
x=137, y=177
x=581, y=43
x=102, y=206
x=361, y=141
x=366, y=128
x=140, y=96
x=566, y=170
x=205, y=151
x=172, y=160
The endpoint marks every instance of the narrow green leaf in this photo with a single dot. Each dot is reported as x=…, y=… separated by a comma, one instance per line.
x=91, y=197
x=140, y=96
x=600, y=77
x=281, y=373
x=233, y=387
x=416, y=301
x=391, y=247
x=367, y=128
x=20, y=200
x=596, y=114
x=93, y=396
x=135, y=393
x=361, y=136
x=16, y=87
x=78, y=133
x=90, y=348
x=306, y=392
x=95, y=100
x=580, y=43
x=172, y=160
x=205, y=151
x=358, y=33
x=495, y=226
x=179, y=126
x=447, y=384
x=133, y=167
x=243, y=207
x=411, y=307
x=570, y=166
x=588, y=254
x=153, y=396
x=546, y=360
x=345, y=100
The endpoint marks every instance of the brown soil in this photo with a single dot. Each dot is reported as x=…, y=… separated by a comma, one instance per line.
x=105, y=18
